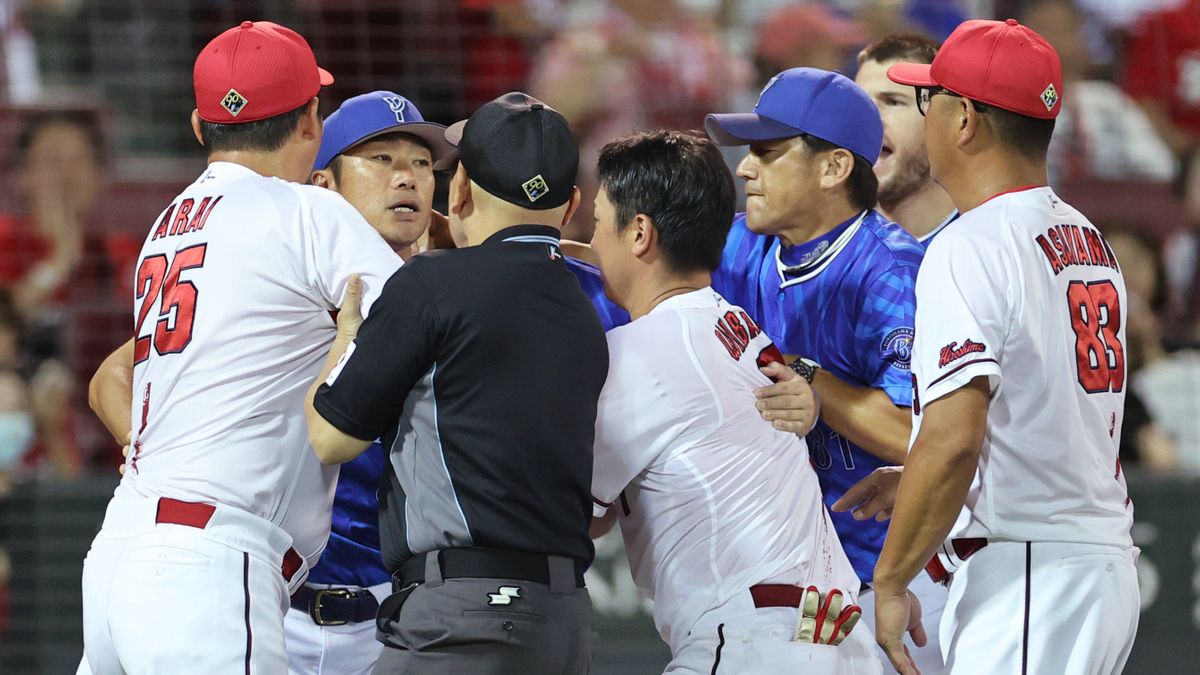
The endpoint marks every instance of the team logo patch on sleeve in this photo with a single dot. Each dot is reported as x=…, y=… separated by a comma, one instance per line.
x=535, y=188
x=953, y=352
x=896, y=348
x=234, y=102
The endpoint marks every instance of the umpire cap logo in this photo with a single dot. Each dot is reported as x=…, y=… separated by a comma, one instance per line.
x=397, y=105
x=234, y=102
x=535, y=188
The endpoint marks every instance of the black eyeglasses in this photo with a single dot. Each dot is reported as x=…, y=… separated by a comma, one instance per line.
x=926, y=94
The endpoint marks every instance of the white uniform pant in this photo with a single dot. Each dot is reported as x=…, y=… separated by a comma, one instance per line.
x=761, y=644
x=349, y=649
x=166, y=598
x=933, y=600
x=1017, y=607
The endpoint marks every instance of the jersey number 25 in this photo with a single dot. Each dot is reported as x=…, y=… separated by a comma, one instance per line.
x=1095, y=310
x=153, y=279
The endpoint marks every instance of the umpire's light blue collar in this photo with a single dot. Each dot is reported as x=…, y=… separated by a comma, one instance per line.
x=820, y=103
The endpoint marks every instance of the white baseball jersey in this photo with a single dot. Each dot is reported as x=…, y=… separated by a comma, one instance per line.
x=711, y=498
x=233, y=295
x=1025, y=291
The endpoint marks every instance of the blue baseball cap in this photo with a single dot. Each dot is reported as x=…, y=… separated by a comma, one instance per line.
x=820, y=103
x=380, y=112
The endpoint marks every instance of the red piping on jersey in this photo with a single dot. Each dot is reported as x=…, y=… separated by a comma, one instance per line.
x=1008, y=192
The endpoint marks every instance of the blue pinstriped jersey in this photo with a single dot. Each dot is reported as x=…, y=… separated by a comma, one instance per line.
x=844, y=300
x=352, y=557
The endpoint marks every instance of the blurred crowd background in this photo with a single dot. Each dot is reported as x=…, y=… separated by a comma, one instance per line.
x=94, y=141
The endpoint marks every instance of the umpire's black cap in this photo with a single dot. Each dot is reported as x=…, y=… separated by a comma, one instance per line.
x=520, y=150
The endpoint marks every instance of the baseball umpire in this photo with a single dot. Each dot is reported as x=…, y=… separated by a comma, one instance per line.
x=461, y=370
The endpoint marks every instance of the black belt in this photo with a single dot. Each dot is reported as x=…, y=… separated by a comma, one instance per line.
x=486, y=563
x=336, y=606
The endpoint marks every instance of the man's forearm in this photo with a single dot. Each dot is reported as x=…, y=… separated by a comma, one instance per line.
x=110, y=393
x=865, y=416
x=933, y=486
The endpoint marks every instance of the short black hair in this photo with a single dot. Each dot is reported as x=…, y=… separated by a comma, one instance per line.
x=263, y=135
x=863, y=185
x=680, y=181
x=908, y=47
x=87, y=121
x=1028, y=136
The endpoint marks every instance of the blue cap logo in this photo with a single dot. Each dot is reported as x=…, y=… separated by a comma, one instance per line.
x=397, y=105
x=366, y=116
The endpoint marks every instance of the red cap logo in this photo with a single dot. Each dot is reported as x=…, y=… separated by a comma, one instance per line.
x=1000, y=63
x=254, y=71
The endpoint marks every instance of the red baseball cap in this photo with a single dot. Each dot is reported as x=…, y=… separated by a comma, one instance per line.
x=254, y=71
x=1000, y=63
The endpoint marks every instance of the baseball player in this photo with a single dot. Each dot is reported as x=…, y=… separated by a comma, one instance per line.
x=1019, y=372
x=721, y=513
x=828, y=279
x=908, y=195
x=378, y=153
x=223, y=505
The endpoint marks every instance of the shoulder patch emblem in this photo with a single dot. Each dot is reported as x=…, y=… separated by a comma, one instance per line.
x=234, y=102
x=896, y=347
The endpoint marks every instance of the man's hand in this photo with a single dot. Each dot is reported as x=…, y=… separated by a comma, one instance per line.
x=790, y=404
x=896, y=613
x=439, y=233
x=349, y=316
x=125, y=453
x=823, y=620
x=874, y=495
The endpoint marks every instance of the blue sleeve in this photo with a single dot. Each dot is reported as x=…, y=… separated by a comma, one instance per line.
x=883, y=334
x=592, y=284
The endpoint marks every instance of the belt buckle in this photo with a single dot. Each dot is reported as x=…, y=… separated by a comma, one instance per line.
x=314, y=609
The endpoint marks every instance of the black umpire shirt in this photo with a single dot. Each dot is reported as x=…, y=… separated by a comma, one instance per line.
x=480, y=369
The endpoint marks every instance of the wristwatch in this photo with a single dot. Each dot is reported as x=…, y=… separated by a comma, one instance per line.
x=806, y=368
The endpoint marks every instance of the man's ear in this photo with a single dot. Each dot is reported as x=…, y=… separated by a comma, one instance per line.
x=968, y=122
x=324, y=178
x=310, y=122
x=196, y=126
x=642, y=235
x=837, y=167
x=572, y=206
x=460, y=191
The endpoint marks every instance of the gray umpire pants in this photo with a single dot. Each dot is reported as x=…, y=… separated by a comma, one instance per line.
x=487, y=626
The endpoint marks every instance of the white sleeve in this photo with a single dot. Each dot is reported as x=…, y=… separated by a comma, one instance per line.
x=651, y=401
x=342, y=243
x=963, y=316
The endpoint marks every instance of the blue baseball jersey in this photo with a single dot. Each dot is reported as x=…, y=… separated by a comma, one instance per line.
x=588, y=275
x=352, y=556
x=846, y=301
